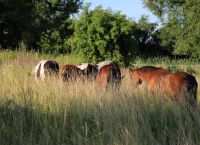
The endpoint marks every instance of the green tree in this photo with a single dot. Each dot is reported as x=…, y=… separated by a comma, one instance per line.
x=181, y=24
x=147, y=37
x=15, y=21
x=103, y=34
x=56, y=24
x=33, y=21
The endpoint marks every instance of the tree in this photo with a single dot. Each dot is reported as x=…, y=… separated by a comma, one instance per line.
x=56, y=24
x=103, y=34
x=149, y=44
x=15, y=20
x=31, y=21
x=181, y=24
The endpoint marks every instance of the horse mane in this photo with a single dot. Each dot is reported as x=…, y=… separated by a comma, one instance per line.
x=148, y=68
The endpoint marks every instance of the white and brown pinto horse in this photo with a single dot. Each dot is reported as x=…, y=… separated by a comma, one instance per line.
x=179, y=86
x=46, y=68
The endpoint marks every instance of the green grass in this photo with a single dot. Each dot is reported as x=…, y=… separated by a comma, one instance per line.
x=53, y=113
x=6, y=55
x=164, y=61
x=63, y=59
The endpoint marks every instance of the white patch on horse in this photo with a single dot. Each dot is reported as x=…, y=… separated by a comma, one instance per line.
x=40, y=66
x=83, y=66
x=103, y=63
x=42, y=75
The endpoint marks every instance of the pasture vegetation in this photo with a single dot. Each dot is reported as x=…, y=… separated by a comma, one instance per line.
x=51, y=112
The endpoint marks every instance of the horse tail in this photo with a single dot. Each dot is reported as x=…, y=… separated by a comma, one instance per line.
x=192, y=93
x=68, y=74
x=114, y=76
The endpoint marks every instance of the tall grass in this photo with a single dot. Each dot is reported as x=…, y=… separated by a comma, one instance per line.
x=6, y=55
x=80, y=112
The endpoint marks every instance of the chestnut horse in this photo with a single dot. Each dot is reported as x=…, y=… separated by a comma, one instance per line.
x=179, y=86
x=46, y=68
x=70, y=72
x=109, y=74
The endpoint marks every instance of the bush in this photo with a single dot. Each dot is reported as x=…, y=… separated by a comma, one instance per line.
x=103, y=34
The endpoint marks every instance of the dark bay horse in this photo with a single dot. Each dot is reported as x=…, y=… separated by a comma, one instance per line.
x=179, y=86
x=70, y=72
x=89, y=71
x=109, y=74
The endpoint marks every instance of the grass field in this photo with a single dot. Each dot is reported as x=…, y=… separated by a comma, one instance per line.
x=53, y=113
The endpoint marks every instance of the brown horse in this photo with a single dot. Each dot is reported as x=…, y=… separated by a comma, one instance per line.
x=109, y=75
x=179, y=86
x=70, y=72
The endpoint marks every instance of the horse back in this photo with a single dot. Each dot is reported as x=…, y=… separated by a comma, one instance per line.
x=184, y=86
x=152, y=74
x=183, y=78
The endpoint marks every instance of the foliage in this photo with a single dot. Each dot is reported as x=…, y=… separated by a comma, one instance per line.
x=15, y=21
x=103, y=34
x=27, y=21
x=148, y=38
x=99, y=34
x=181, y=25
x=56, y=26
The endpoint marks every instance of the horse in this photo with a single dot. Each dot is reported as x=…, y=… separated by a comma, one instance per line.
x=46, y=68
x=70, y=72
x=179, y=86
x=89, y=71
x=109, y=74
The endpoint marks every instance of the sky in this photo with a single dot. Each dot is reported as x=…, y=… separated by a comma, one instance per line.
x=132, y=8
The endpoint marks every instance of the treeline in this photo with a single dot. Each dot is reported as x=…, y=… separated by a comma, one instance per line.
x=68, y=27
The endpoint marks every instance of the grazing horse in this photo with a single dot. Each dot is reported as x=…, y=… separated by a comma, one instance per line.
x=70, y=72
x=179, y=86
x=46, y=68
x=89, y=70
x=109, y=74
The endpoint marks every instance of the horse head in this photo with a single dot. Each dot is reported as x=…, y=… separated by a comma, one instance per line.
x=136, y=78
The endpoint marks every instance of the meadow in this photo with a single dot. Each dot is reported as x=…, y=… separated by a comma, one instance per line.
x=82, y=113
